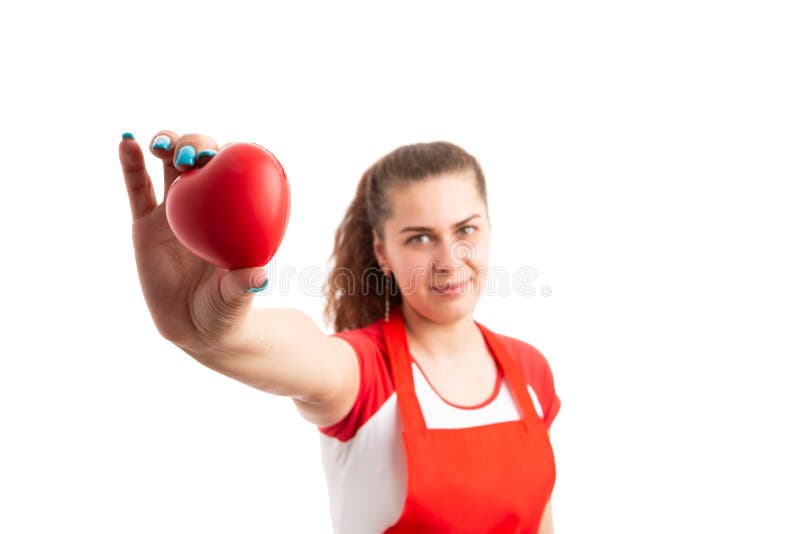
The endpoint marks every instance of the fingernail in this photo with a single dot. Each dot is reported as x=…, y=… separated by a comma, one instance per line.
x=127, y=135
x=204, y=157
x=257, y=289
x=162, y=142
x=186, y=156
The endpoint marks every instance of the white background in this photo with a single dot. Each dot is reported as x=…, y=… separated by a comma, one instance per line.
x=642, y=157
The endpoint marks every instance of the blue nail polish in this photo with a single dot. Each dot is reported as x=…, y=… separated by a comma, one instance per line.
x=186, y=156
x=127, y=135
x=206, y=153
x=257, y=289
x=162, y=141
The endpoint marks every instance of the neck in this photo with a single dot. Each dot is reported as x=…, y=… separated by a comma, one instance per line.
x=441, y=342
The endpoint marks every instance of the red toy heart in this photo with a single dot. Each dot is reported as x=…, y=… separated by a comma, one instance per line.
x=233, y=211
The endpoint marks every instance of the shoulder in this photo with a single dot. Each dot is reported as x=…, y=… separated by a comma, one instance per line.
x=374, y=384
x=367, y=337
x=533, y=363
x=537, y=373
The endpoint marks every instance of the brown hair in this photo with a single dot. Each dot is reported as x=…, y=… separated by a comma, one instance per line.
x=355, y=292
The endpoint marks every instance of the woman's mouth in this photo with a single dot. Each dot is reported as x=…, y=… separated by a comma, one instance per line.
x=449, y=289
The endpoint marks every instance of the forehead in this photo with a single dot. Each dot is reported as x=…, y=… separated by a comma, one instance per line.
x=437, y=202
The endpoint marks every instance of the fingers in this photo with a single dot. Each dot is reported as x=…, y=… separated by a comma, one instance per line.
x=162, y=146
x=194, y=150
x=141, y=196
x=179, y=154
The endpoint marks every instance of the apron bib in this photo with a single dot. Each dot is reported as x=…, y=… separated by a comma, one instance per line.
x=494, y=478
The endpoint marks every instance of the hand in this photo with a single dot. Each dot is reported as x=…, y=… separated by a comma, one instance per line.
x=194, y=304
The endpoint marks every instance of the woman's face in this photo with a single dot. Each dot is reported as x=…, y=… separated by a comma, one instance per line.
x=437, y=237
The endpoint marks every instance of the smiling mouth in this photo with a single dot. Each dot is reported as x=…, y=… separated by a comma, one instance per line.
x=450, y=287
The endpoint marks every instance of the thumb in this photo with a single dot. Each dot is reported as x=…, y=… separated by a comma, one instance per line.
x=237, y=285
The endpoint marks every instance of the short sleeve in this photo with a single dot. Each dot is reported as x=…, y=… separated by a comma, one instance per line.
x=374, y=385
x=538, y=375
x=551, y=403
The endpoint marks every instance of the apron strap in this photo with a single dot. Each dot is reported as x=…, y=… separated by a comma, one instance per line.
x=396, y=342
x=516, y=380
x=394, y=334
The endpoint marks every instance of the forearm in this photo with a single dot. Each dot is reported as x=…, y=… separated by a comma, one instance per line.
x=276, y=350
x=249, y=339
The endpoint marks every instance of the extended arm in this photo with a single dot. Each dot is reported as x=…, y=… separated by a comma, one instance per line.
x=283, y=352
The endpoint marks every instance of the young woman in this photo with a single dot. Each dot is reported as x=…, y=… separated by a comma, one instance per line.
x=429, y=421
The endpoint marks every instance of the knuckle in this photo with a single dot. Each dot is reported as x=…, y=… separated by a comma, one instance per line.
x=141, y=189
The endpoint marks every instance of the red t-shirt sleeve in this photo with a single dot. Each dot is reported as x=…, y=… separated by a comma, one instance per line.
x=551, y=403
x=375, y=383
x=538, y=374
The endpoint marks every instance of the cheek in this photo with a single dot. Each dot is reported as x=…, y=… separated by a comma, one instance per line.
x=411, y=274
x=478, y=249
x=414, y=261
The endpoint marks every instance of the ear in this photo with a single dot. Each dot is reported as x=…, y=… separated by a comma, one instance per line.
x=377, y=248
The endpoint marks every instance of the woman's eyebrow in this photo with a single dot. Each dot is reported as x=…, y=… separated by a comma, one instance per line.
x=428, y=229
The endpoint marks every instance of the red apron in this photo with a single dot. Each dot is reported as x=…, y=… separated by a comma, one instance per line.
x=489, y=479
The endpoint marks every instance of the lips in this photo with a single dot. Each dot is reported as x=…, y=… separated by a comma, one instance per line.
x=450, y=286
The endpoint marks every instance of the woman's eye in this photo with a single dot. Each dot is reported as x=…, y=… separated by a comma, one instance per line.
x=470, y=226
x=418, y=238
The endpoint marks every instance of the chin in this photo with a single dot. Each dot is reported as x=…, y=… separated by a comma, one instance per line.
x=446, y=311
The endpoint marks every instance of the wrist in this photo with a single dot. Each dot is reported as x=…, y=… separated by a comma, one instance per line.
x=206, y=347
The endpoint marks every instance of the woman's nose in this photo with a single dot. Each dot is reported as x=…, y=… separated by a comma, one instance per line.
x=451, y=254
